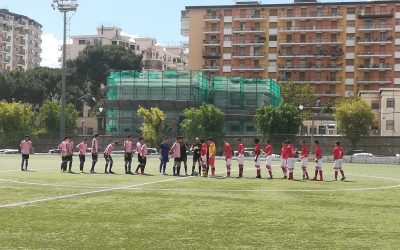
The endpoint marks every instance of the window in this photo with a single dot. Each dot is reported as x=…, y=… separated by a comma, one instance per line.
x=250, y=129
x=389, y=124
x=82, y=42
x=272, y=38
x=251, y=102
x=227, y=12
x=322, y=130
x=375, y=105
x=273, y=12
x=350, y=24
x=390, y=103
x=235, y=128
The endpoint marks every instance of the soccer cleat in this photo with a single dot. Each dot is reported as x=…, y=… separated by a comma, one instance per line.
x=334, y=179
x=314, y=179
x=258, y=177
x=343, y=178
x=284, y=177
x=111, y=172
x=270, y=178
x=105, y=172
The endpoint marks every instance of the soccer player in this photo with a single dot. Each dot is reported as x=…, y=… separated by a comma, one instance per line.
x=290, y=159
x=240, y=158
x=108, y=158
x=183, y=155
x=284, y=159
x=338, y=153
x=128, y=154
x=304, y=159
x=257, y=153
x=139, y=145
x=268, y=153
x=95, y=152
x=318, y=162
x=82, y=148
x=176, y=153
x=203, y=155
x=70, y=153
x=143, y=152
x=196, y=155
x=212, y=151
x=164, y=153
x=228, y=158
x=63, y=152
x=25, y=147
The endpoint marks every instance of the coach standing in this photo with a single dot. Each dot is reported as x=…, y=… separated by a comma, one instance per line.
x=25, y=147
x=95, y=152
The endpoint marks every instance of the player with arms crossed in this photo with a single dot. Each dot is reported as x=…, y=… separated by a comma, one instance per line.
x=228, y=158
x=268, y=159
x=338, y=153
x=284, y=160
x=25, y=147
x=257, y=154
x=196, y=155
x=304, y=159
x=240, y=159
x=318, y=162
x=290, y=159
x=82, y=148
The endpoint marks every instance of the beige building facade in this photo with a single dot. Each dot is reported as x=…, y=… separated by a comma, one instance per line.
x=20, y=42
x=385, y=104
x=340, y=48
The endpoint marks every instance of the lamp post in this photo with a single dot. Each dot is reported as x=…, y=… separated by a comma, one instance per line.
x=64, y=6
x=301, y=107
x=102, y=119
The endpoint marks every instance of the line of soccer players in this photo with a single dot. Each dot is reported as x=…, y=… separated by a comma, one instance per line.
x=204, y=153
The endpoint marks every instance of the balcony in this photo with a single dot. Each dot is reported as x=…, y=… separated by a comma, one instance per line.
x=375, y=54
x=380, y=67
x=21, y=53
x=212, y=18
x=309, y=54
x=312, y=15
x=248, y=68
x=211, y=68
x=375, y=14
x=211, y=43
x=372, y=27
x=327, y=94
x=374, y=41
x=244, y=18
x=211, y=55
x=21, y=62
x=369, y=80
x=310, y=42
x=211, y=31
x=248, y=43
x=336, y=80
x=309, y=67
x=6, y=39
x=248, y=30
x=294, y=29
x=244, y=55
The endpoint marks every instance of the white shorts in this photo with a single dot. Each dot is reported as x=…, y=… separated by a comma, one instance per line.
x=318, y=164
x=338, y=164
x=304, y=162
x=240, y=159
x=283, y=163
x=257, y=162
x=228, y=162
x=290, y=163
x=268, y=160
x=203, y=160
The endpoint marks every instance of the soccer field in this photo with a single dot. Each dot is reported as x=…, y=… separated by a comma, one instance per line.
x=46, y=209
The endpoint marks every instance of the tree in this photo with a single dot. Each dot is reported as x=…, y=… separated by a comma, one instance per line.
x=49, y=116
x=95, y=62
x=354, y=118
x=285, y=119
x=205, y=121
x=153, y=124
x=16, y=119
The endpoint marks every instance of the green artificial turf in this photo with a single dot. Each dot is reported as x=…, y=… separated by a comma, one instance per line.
x=167, y=212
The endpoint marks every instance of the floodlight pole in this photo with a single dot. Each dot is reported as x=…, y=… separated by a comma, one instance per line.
x=64, y=6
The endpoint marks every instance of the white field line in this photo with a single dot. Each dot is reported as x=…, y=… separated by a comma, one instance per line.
x=87, y=193
x=19, y=170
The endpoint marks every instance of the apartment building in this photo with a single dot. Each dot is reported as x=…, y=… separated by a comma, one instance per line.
x=155, y=56
x=339, y=48
x=385, y=105
x=20, y=41
x=104, y=36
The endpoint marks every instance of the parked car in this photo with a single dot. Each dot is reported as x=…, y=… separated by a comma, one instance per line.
x=9, y=151
x=152, y=151
x=363, y=155
x=354, y=151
